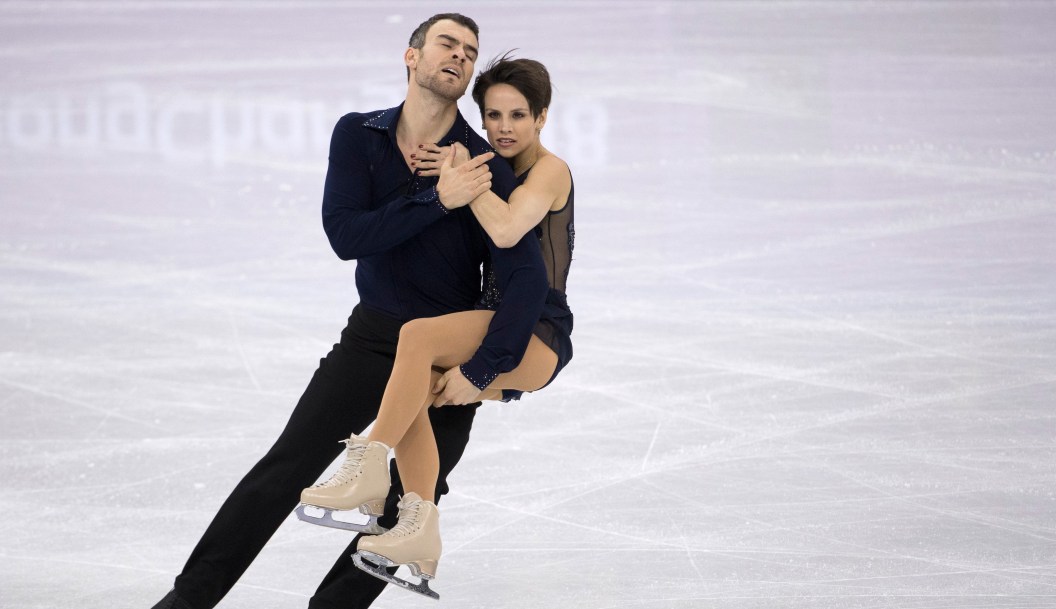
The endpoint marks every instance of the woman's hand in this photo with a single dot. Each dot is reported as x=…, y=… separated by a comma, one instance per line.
x=430, y=157
x=471, y=178
x=454, y=388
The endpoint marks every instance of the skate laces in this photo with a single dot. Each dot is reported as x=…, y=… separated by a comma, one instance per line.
x=350, y=468
x=408, y=518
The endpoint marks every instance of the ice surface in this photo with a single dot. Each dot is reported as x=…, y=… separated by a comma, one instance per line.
x=814, y=294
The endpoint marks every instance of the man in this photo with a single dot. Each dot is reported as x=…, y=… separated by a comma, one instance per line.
x=418, y=251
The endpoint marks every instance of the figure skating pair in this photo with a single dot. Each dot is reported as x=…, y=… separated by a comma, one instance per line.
x=513, y=96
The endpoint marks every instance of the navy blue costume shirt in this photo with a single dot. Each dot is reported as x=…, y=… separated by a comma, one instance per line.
x=414, y=257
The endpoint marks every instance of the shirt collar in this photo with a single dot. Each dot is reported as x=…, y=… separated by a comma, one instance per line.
x=386, y=120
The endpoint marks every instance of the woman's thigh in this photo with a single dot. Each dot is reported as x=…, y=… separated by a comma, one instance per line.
x=448, y=340
x=535, y=370
x=452, y=339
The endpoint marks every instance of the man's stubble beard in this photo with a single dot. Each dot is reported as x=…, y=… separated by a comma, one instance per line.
x=433, y=83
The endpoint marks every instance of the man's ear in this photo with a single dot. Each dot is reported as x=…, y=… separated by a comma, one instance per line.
x=410, y=57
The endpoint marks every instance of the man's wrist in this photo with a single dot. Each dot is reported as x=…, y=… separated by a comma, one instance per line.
x=434, y=197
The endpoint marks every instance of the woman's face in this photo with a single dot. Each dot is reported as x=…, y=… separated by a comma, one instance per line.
x=508, y=121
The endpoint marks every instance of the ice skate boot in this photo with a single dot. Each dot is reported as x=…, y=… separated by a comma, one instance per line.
x=361, y=483
x=414, y=541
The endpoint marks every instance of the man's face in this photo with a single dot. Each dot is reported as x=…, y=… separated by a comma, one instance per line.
x=444, y=65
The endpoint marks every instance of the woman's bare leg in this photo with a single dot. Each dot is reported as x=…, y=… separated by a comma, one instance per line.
x=443, y=342
x=535, y=370
x=416, y=454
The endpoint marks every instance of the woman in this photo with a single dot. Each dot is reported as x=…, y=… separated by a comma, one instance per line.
x=513, y=96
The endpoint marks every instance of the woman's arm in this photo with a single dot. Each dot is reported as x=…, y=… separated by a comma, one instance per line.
x=529, y=203
x=506, y=222
x=520, y=277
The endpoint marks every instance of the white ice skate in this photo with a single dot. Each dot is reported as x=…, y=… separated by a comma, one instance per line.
x=414, y=541
x=360, y=484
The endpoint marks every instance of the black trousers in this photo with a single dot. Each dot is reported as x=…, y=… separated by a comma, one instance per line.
x=342, y=398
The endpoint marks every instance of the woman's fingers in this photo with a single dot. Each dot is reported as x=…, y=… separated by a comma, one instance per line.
x=429, y=159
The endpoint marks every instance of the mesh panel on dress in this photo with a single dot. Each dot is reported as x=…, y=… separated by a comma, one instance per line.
x=557, y=236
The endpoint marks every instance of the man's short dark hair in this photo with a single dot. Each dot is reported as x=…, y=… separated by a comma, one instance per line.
x=417, y=40
x=528, y=76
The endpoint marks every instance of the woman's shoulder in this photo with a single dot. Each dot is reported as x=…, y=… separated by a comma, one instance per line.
x=552, y=163
x=552, y=170
x=550, y=175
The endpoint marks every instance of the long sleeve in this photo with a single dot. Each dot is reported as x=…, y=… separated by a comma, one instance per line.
x=521, y=279
x=354, y=228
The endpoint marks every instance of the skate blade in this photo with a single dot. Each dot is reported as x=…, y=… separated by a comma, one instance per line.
x=371, y=527
x=375, y=565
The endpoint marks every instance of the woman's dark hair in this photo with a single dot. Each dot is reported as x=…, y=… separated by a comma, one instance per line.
x=528, y=76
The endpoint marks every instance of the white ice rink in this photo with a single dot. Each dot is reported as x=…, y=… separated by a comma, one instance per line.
x=814, y=286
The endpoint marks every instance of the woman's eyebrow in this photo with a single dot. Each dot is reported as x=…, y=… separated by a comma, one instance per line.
x=487, y=109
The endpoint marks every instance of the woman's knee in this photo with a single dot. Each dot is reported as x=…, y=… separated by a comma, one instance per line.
x=416, y=335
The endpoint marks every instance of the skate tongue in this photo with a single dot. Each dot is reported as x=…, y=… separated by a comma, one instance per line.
x=356, y=440
x=410, y=499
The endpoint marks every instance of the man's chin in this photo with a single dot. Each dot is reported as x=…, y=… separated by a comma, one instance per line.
x=450, y=93
x=445, y=90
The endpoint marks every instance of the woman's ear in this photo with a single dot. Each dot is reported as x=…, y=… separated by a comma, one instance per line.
x=541, y=120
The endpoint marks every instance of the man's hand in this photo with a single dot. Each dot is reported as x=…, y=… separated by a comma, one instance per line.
x=460, y=185
x=461, y=154
x=454, y=388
